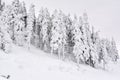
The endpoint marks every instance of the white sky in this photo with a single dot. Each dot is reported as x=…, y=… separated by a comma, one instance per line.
x=104, y=15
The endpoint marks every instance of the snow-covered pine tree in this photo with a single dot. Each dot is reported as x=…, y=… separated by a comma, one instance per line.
x=30, y=29
x=69, y=37
x=6, y=17
x=14, y=10
x=44, y=22
x=85, y=38
x=114, y=54
x=103, y=55
x=94, y=47
x=66, y=32
x=38, y=29
x=58, y=33
x=54, y=32
x=78, y=44
x=49, y=32
x=39, y=26
x=63, y=32
x=20, y=24
x=19, y=30
x=5, y=40
x=23, y=11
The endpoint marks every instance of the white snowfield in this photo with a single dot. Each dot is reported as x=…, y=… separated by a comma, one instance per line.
x=35, y=64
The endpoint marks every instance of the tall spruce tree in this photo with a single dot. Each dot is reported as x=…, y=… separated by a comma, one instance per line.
x=30, y=29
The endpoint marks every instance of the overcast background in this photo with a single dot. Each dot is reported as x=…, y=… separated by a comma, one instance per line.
x=104, y=15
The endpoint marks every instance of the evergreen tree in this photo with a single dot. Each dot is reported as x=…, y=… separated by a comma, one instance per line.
x=54, y=32
x=30, y=29
x=58, y=33
x=44, y=22
x=78, y=47
x=69, y=36
x=5, y=40
x=20, y=24
x=94, y=47
x=114, y=51
x=86, y=38
x=14, y=17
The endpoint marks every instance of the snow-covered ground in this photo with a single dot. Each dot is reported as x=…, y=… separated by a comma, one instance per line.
x=35, y=64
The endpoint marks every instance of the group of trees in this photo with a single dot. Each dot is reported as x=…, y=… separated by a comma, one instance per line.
x=57, y=34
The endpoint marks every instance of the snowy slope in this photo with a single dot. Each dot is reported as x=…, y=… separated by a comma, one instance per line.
x=22, y=64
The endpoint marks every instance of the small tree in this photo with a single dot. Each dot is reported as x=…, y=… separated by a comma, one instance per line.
x=114, y=55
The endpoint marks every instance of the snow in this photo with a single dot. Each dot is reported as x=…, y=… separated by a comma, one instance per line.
x=34, y=64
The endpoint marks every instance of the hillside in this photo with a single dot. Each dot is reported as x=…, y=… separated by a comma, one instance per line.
x=35, y=64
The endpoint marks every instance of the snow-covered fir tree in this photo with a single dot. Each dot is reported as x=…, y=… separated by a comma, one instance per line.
x=78, y=44
x=115, y=55
x=55, y=32
x=19, y=24
x=85, y=37
x=56, y=39
x=14, y=10
x=5, y=39
x=69, y=36
x=63, y=33
x=58, y=33
x=44, y=22
x=30, y=28
x=94, y=47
